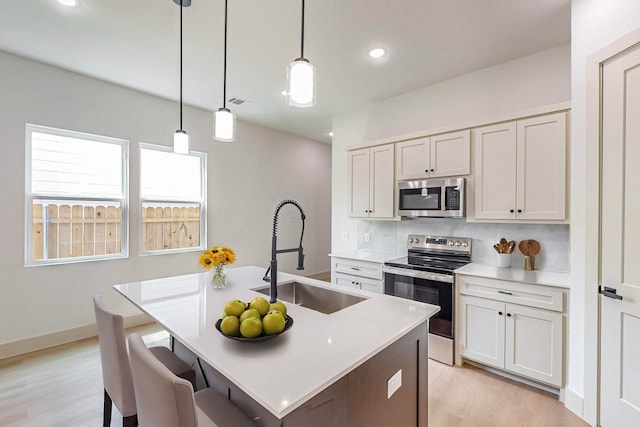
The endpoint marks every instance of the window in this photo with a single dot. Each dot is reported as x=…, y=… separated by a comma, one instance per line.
x=76, y=196
x=172, y=196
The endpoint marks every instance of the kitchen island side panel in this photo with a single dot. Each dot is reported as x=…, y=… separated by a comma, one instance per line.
x=358, y=399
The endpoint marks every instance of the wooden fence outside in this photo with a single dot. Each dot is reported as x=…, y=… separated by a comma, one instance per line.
x=67, y=231
x=166, y=227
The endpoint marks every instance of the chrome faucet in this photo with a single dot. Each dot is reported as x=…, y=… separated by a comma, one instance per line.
x=273, y=294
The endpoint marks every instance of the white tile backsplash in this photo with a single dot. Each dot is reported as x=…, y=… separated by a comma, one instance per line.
x=391, y=237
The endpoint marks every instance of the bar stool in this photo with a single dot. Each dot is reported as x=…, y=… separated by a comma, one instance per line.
x=165, y=400
x=116, y=372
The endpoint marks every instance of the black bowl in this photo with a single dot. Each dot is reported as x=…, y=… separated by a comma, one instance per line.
x=288, y=322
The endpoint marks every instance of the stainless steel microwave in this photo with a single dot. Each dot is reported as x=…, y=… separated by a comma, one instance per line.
x=432, y=198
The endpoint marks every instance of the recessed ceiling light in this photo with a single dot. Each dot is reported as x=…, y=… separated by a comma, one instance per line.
x=377, y=52
x=284, y=93
x=330, y=133
x=71, y=3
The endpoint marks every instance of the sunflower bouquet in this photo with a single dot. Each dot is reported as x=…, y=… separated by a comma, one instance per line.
x=216, y=258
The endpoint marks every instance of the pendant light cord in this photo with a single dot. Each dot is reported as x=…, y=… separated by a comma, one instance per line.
x=181, y=7
x=224, y=83
x=302, y=35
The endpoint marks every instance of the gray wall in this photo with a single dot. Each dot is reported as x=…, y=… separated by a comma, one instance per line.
x=246, y=180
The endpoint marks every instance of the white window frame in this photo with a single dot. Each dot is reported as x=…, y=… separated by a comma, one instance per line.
x=30, y=196
x=202, y=201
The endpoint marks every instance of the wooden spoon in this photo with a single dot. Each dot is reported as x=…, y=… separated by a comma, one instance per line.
x=504, y=245
x=497, y=248
x=534, y=247
x=511, y=246
x=524, y=247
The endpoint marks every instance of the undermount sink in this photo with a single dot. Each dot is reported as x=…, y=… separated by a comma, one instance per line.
x=319, y=299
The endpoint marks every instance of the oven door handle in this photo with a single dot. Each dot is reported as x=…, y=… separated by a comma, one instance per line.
x=419, y=274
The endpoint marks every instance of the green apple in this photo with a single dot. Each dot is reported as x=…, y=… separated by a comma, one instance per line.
x=260, y=304
x=251, y=327
x=252, y=312
x=273, y=322
x=279, y=305
x=230, y=325
x=235, y=307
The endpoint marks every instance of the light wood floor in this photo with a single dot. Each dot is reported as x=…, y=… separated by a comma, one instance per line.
x=62, y=387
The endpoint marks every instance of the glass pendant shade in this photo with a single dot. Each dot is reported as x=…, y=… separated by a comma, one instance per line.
x=224, y=125
x=181, y=142
x=301, y=83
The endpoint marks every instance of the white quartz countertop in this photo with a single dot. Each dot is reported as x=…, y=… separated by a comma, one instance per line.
x=286, y=371
x=536, y=277
x=361, y=255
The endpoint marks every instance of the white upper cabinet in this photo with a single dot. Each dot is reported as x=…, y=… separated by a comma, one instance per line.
x=371, y=182
x=413, y=158
x=436, y=156
x=520, y=169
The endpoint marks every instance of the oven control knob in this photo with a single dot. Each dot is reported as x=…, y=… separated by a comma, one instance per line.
x=450, y=242
x=458, y=243
x=465, y=244
x=410, y=240
x=417, y=240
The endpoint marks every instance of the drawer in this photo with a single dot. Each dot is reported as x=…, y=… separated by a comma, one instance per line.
x=372, y=270
x=513, y=292
x=365, y=283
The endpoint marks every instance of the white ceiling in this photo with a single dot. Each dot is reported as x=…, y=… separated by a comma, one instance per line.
x=135, y=43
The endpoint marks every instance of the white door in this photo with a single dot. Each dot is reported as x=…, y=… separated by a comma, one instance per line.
x=451, y=154
x=533, y=343
x=482, y=330
x=620, y=247
x=382, y=187
x=359, y=181
x=413, y=160
x=542, y=148
x=495, y=171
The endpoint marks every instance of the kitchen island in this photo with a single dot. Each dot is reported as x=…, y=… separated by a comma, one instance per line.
x=327, y=369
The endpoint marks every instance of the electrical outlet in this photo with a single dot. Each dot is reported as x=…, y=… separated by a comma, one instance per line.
x=394, y=383
x=345, y=235
x=367, y=237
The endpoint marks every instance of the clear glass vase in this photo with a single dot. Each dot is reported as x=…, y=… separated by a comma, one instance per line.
x=218, y=276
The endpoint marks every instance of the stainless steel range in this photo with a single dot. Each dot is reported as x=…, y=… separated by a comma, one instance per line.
x=426, y=275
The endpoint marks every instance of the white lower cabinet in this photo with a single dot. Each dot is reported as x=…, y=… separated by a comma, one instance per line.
x=520, y=339
x=357, y=282
x=357, y=274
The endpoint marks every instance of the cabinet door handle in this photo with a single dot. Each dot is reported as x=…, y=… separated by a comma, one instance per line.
x=519, y=210
x=355, y=268
x=426, y=170
x=500, y=313
x=505, y=292
x=508, y=314
x=511, y=210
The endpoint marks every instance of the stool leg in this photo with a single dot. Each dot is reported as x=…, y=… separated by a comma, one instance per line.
x=130, y=421
x=106, y=418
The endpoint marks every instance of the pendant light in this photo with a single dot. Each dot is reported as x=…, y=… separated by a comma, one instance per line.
x=224, y=121
x=181, y=138
x=301, y=77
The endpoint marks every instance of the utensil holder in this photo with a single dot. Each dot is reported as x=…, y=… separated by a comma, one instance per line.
x=503, y=260
x=529, y=262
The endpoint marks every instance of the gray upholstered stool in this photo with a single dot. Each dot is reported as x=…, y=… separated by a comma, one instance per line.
x=116, y=372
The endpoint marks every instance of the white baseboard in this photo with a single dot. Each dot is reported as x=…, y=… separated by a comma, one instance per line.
x=28, y=345
x=574, y=402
